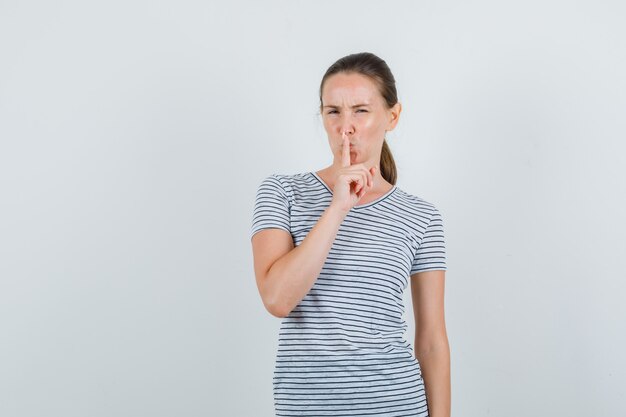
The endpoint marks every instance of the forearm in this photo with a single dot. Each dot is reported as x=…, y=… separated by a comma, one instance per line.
x=292, y=276
x=434, y=361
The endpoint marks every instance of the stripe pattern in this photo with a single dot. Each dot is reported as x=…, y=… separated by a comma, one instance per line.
x=341, y=350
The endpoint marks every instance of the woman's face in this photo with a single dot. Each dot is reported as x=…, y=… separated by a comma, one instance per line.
x=352, y=103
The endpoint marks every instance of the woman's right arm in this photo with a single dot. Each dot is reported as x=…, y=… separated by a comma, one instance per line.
x=284, y=273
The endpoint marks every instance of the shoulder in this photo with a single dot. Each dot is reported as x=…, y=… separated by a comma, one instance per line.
x=289, y=180
x=286, y=183
x=418, y=209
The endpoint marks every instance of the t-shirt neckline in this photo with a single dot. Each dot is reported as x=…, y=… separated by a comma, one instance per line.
x=361, y=206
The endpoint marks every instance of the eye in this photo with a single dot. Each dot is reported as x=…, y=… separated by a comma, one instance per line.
x=331, y=111
x=362, y=110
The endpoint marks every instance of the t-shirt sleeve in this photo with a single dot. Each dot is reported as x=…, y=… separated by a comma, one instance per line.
x=271, y=207
x=431, y=253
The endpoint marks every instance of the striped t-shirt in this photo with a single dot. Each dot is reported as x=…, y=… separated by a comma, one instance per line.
x=341, y=349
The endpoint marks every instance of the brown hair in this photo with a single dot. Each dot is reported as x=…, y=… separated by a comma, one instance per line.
x=375, y=68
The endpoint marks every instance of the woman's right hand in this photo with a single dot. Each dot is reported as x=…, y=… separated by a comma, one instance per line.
x=352, y=181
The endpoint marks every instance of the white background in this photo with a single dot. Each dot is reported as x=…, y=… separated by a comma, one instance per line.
x=133, y=136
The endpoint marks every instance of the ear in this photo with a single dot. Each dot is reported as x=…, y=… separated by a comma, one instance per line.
x=394, y=116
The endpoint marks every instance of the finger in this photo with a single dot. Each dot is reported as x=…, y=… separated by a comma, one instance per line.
x=366, y=179
x=345, y=150
x=359, y=189
x=359, y=185
x=365, y=188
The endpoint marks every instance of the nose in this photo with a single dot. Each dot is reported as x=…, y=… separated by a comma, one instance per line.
x=347, y=126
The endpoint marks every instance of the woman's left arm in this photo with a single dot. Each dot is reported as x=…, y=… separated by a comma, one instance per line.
x=431, y=340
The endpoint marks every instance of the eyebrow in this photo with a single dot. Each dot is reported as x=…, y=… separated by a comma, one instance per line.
x=356, y=105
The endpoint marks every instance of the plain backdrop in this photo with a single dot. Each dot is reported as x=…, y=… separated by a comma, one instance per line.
x=134, y=134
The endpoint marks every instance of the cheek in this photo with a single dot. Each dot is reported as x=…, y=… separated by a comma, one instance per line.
x=371, y=125
x=368, y=123
x=328, y=123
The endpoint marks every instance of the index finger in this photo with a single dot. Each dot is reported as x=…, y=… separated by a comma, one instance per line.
x=345, y=151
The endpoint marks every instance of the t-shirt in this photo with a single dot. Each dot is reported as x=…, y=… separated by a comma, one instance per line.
x=341, y=350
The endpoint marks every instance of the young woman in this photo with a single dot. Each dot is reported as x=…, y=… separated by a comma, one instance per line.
x=333, y=253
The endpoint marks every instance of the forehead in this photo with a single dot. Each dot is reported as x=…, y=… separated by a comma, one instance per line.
x=351, y=87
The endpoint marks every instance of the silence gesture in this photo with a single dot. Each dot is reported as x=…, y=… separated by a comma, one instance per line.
x=352, y=181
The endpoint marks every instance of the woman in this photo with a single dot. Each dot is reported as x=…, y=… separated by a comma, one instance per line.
x=333, y=252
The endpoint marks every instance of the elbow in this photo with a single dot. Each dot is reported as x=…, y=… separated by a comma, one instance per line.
x=273, y=299
x=277, y=310
x=270, y=301
x=274, y=303
x=432, y=344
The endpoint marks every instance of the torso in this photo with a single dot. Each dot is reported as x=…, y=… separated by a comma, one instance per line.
x=344, y=340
